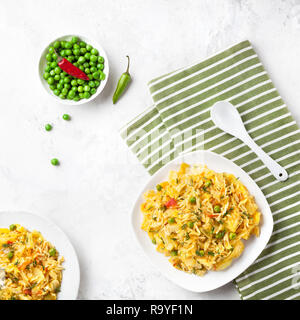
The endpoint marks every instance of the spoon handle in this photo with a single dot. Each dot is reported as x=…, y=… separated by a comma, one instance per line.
x=278, y=171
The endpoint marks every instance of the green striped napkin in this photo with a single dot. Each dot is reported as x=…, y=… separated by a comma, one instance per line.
x=179, y=121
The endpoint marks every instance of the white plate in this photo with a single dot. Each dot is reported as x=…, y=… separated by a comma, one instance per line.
x=71, y=274
x=43, y=63
x=253, y=247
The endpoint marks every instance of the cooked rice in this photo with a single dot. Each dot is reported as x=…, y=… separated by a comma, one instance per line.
x=181, y=219
x=31, y=272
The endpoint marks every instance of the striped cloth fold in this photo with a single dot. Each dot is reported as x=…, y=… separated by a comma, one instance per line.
x=179, y=122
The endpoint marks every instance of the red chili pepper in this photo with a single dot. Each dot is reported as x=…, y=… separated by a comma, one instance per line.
x=171, y=203
x=70, y=69
x=27, y=291
x=9, y=242
x=213, y=215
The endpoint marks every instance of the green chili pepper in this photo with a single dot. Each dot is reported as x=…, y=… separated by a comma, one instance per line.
x=122, y=84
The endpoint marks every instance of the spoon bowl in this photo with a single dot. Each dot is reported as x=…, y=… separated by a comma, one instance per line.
x=226, y=117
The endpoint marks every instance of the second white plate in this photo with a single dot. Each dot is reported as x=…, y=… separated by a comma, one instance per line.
x=253, y=247
x=71, y=275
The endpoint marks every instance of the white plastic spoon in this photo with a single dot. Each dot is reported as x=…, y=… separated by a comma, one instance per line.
x=226, y=117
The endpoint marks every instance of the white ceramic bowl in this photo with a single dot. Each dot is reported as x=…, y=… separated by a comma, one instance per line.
x=253, y=247
x=43, y=63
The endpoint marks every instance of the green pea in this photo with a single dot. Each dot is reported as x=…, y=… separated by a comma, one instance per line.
x=90, y=76
x=83, y=50
x=71, y=58
x=86, y=88
x=81, y=68
x=52, y=86
x=171, y=220
x=93, y=69
x=232, y=235
x=47, y=69
x=74, y=82
x=62, y=96
x=57, y=77
x=75, y=64
x=64, y=91
x=59, y=86
x=220, y=234
x=86, y=95
x=217, y=209
x=174, y=253
x=12, y=227
x=63, y=43
x=57, y=70
x=52, y=252
x=75, y=89
x=52, y=73
x=50, y=80
x=68, y=45
x=68, y=52
x=93, y=58
x=67, y=85
x=200, y=253
x=97, y=83
x=89, y=47
x=102, y=76
x=87, y=70
x=54, y=56
x=92, y=84
x=81, y=60
x=63, y=53
x=10, y=255
x=56, y=92
x=49, y=57
x=81, y=95
x=76, y=52
x=82, y=44
x=93, y=90
x=94, y=52
x=76, y=98
x=87, y=56
x=51, y=50
x=56, y=44
x=191, y=224
x=96, y=75
x=71, y=95
x=100, y=59
x=92, y=64
x=66, y=116
x=80, y=81
x=76, y=46
x=74, y=40
x=53, y=64
x=46, y=75
x=80, y=88
x=48, y=127
x=100, y=66
x=67, y=80
x=54, y=162
x=207, y=183
x=192, y=200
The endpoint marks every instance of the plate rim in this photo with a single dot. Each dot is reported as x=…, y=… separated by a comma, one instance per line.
x=53, y=225
x=165, y=274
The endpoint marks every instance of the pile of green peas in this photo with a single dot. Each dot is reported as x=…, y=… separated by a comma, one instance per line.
x=81, y=55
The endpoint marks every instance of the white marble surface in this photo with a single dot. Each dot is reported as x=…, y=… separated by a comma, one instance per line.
x=90, y=195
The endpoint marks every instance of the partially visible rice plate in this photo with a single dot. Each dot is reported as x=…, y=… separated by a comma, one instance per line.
x=33, y=268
